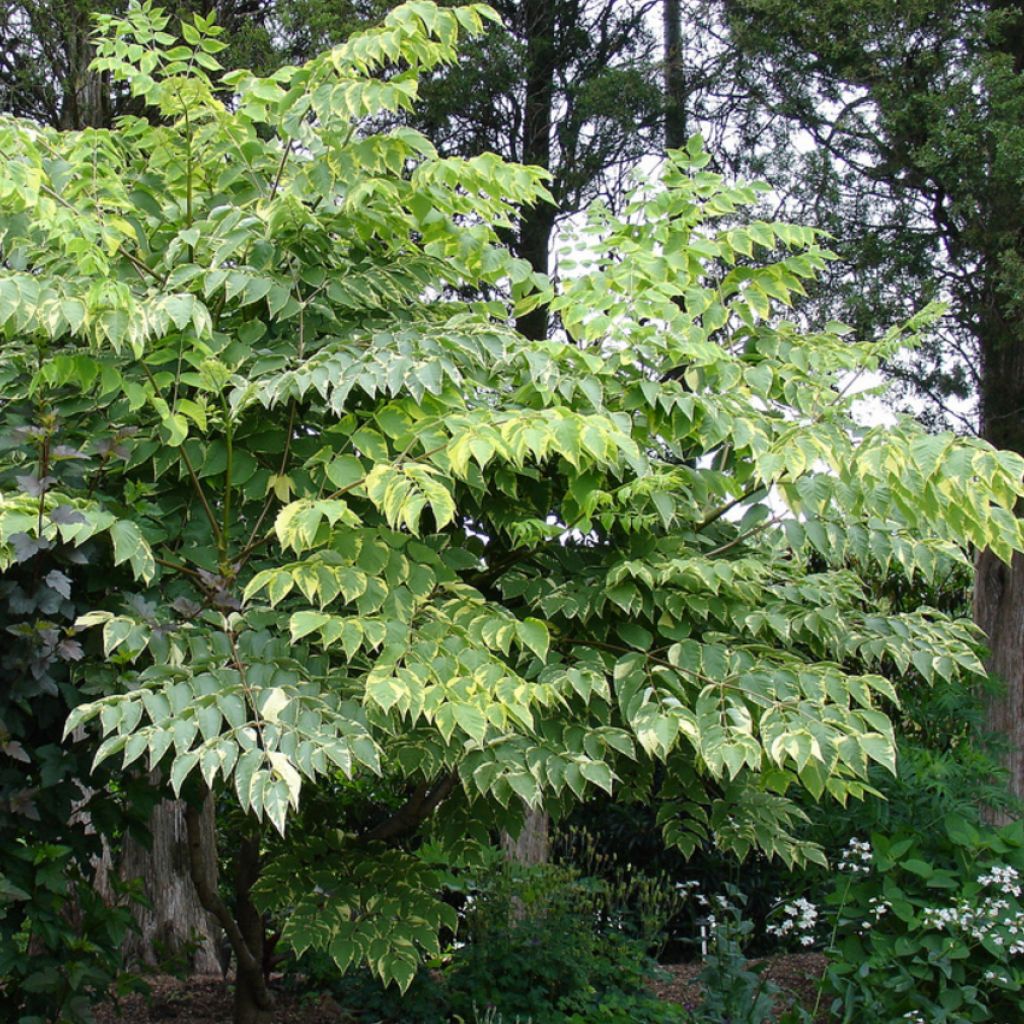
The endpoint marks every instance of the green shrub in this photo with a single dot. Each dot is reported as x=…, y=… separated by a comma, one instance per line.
x=734, y=991
x=545, y=943
x=930, y=929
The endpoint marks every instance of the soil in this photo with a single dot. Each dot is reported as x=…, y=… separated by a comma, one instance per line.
x=796, y=975
x=207, y=1000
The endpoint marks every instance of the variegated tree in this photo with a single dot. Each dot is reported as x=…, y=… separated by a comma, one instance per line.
x=357, y=526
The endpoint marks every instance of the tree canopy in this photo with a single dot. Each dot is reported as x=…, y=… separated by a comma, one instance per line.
x=351, y=525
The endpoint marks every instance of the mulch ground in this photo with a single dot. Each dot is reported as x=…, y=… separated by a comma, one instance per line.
x=796, y=975
x=208, y=1000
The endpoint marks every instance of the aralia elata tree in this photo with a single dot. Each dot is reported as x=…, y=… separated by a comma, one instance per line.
x=359, y=528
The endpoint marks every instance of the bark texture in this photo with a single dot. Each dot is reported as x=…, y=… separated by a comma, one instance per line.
x=244, y=927
x=538, y=222
x=675, y=76
x=999, y=588
x=175, y=920
x=999, y=610
x=531, y=845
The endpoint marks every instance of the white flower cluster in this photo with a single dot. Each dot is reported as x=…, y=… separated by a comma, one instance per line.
x=687, y=889
x=914, y=1017
x=799, y=917
x=856, y=858
x=992, y=917
x=1003, y=876
x=879, y=908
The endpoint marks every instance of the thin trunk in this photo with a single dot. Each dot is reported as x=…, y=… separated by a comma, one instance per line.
x=174, y=924
x=534, y=245
x=675, y=76
x=250, y=991
x=538, y=109
x=244, y=929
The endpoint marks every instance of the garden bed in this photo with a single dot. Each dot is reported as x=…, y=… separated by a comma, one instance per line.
x=796, y=975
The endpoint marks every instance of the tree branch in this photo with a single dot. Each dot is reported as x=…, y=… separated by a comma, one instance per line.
x=415, y=810
x=199, y=860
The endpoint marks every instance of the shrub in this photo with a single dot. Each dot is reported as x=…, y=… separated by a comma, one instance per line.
x=928, y=931
x=734, y=991
x=542, y=944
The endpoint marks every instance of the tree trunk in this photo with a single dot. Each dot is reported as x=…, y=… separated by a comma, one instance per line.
x=675, y=76
x=175, y=924
x=999, y=588
x=999, y=611
x=537, y=222
x=250, y=988
x=244, y=928
x=531, y=845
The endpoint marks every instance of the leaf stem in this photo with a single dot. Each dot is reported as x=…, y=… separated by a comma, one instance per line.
x=197, y=486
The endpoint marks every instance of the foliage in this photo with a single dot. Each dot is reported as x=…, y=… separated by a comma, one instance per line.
x=424, y=1002
x=629, y=900
x=59, y=941
x=354, y=525
x=572, y=960
x=931, y=931
x=617, y=1007
x=734, y=991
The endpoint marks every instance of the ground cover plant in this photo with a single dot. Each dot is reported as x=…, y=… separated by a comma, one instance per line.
x=359, y=551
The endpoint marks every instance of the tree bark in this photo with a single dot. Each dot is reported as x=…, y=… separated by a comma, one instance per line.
x=251, y=996
x=531, y=845
x=674, y=77
x=244, y=928
x=999, y=588
x=538, y=222
x=999, y=611
x=175, y=923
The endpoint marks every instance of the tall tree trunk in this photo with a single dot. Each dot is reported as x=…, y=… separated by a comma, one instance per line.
x=534, y=245
x=999, y=611
x=675, y=76
x=999, y=588
x=175, y=922
x=538, y=222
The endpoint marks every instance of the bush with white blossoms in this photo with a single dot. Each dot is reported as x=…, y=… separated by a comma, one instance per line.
x=991, y=915
x=797, y=920
x=928, y=935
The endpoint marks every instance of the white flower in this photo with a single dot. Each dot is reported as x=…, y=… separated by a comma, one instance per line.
x=856, y=858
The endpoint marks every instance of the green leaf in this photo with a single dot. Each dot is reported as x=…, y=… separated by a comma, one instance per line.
x=304, y=623
x=598, y=773
x=180, y=768
x=533, y=633
x=130, y=546
x=471, y=720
